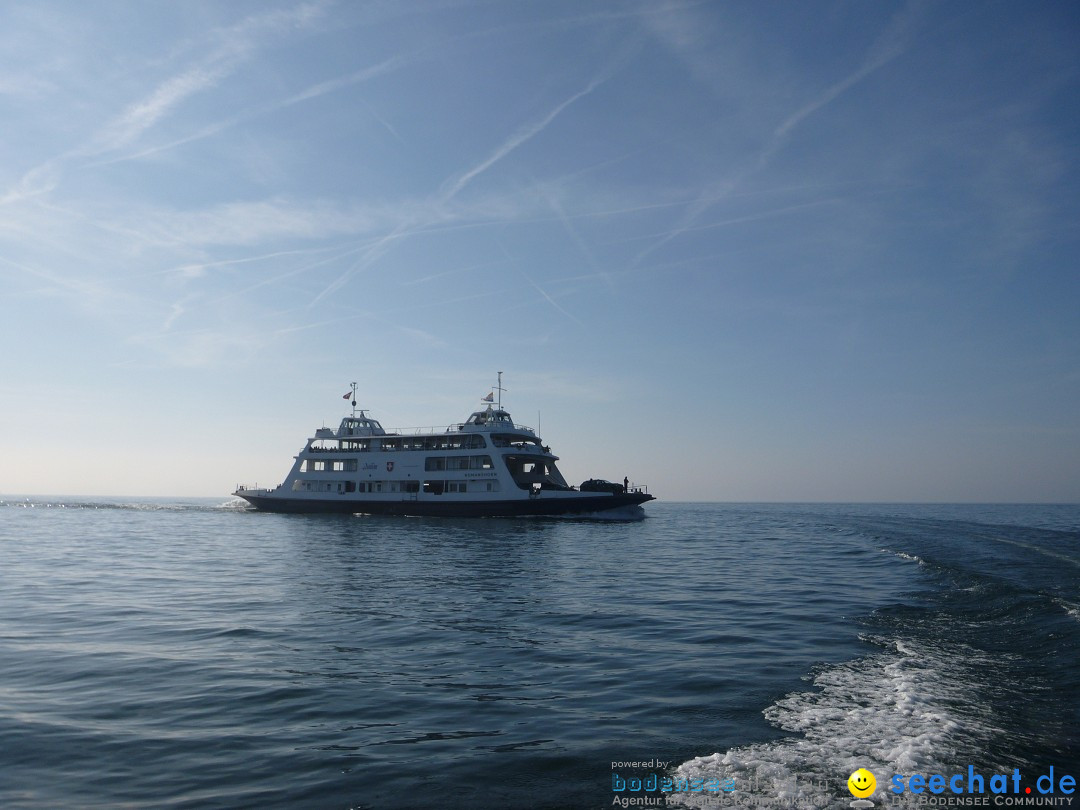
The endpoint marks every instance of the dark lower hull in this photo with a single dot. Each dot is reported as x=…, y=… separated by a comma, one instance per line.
x=428, y=508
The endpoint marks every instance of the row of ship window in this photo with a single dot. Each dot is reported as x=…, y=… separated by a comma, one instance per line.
x=431, y=487
x=431, y=464
x=463, y=442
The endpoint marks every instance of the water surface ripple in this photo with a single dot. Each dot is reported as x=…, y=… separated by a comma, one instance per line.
x=190, y=654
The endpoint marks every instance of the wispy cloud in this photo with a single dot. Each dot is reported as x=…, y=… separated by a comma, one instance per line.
x=261, y=222
x=37, y=182
x=178, y=309
x=456, y=271
x=423, y=337
x=201, y=348
x=526, y=133
x=24, y=85
x=370, y=255
x=424, y=215
x=551, y=300
x=295, y=271
x=313, y=92
x=741, y=220
x=143, y=114
x=890, y=44
x=87, y=294
x=678, y=32
x=694, y=211
x=199, y=269
x=225, y=50
x=543, y=293
x=571, y=230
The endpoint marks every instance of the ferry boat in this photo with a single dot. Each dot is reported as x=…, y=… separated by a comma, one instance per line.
x=486, y=466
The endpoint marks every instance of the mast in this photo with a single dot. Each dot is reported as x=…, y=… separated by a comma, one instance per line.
x=500, y=389
x=354, y=400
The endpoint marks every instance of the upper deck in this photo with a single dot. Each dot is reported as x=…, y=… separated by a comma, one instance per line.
x=490, y=420
x=361, y=425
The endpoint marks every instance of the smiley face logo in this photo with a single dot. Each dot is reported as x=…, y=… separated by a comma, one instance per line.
x=861, y=783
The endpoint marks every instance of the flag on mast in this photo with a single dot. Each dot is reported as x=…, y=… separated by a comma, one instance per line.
x=489, y=398
x=348, y=395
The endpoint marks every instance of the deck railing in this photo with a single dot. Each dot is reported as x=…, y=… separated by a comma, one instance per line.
x=460, y=427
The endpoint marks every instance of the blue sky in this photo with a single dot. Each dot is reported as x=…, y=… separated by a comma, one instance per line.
x=733, y=250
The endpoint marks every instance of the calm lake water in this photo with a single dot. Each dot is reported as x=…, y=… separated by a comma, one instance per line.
x=194, y=654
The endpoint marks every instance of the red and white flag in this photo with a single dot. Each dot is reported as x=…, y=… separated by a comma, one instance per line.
x=489, y=398
x=348, y=395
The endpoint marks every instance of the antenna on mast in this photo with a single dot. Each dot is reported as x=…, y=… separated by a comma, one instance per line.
x=354, y=399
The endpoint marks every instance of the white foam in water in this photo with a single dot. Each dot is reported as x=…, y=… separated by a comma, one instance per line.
x=898, y=712
x=1070, y=608
x=909, y=557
